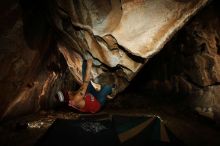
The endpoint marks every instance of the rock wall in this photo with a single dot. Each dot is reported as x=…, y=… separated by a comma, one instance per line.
x=120, y=36
x=204, y=68
x=189, y=64
x=31, y=71
x=40, y=39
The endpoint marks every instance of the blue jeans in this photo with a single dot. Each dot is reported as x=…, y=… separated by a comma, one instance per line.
x=100, y=95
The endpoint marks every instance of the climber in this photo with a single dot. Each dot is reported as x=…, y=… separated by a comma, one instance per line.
x=90, y=97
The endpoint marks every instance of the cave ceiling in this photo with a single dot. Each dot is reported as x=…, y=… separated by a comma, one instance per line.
x=120, y=35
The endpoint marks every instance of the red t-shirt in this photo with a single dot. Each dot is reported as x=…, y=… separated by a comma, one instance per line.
x=92, y=105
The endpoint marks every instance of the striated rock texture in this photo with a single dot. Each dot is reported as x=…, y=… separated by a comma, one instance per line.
x=119, y=35
x=204, y=69
x=31, y=71
x=40, y=39
x=189, y=65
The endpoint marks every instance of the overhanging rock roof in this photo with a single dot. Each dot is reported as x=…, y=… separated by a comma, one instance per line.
x=120, y=35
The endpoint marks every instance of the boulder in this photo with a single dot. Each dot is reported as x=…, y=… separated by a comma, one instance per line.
x=119, y=35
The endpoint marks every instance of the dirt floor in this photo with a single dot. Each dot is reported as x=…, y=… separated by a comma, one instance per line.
x=186, y=125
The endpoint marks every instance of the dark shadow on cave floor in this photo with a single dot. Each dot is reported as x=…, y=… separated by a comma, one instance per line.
x=135, y=100
x=174, y=111
x=186, y=125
